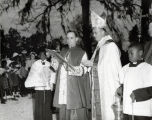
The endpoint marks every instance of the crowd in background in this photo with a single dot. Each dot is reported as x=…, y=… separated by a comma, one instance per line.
x=14, y=71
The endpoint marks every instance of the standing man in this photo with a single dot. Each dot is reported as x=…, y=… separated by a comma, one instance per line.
x=105, y=64
x=72, y=89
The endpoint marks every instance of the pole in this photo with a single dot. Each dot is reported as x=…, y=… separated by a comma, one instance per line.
x=132, y=111
x=85, y=26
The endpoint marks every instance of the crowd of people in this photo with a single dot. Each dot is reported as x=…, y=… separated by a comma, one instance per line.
x=13, y=73
x=85, y=88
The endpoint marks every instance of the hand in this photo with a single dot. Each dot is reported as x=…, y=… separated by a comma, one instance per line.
x=87, y=63
x=119, y=91
x=132, y=97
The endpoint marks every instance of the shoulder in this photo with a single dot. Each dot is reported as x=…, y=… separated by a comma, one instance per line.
x=126, y=67
x=37, y=62
x=48, y=63
x=146, y=65
x=79, y=49
x=111, y=44
x=112, y=48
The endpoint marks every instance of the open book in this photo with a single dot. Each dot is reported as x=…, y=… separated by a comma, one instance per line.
x=58, y=56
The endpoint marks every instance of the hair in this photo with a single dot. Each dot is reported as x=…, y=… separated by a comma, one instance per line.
x=76, y=34
x=137, y=45
x=55, y=44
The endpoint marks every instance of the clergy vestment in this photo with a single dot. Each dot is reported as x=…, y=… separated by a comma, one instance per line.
x=72, y=89
x=40, y=78
x=132, y=78
x=105, y=78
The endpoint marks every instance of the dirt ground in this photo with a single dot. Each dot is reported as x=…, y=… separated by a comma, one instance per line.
x=18, y=110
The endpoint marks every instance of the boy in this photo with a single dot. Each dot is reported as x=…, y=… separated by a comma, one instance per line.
x=136, y=74
x=39, y=78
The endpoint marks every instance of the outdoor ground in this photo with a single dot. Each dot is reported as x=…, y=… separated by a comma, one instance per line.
x=18, y=110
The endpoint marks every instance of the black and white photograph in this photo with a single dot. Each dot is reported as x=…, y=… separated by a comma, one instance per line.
x=76, y=59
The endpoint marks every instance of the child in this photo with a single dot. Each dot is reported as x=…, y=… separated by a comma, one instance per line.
x=136, y=74
x=14, y=80
x=39, y=78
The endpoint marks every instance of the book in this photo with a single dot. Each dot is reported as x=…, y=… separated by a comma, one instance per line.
x=58, y=56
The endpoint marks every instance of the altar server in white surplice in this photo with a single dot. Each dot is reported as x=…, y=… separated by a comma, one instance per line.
x=40, y=79
x=136, y=75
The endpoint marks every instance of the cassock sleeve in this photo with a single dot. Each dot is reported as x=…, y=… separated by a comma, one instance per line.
x=143, y=94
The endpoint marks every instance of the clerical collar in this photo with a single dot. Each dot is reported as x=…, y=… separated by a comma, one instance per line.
x=43, y=62
x=135, y=64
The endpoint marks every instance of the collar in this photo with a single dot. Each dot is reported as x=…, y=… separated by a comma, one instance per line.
x=43, y=62
x=135, y=64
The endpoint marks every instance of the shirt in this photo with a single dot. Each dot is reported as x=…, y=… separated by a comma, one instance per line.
x=134, y=78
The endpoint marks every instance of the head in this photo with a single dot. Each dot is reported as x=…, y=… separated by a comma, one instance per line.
x=150, y=29
x=56, y=45
x=32, y=55
x=42, y=55
x=125, y=44
x=99, y=25
x=72, y=39
x=135, y=52
x=98, y=33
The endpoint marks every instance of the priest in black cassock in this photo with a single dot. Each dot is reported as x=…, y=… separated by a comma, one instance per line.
x=72, y=93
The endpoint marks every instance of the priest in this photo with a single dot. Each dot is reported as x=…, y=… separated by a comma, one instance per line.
x=72, y=93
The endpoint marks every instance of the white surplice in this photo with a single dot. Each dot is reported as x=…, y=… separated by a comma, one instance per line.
x=134, y=78
x=39, y=76
x=108, y=66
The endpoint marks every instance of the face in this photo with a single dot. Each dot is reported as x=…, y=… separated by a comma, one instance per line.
x=150, y=29
x=134, y=54
x=32, y=56
x=98, y=33
x=48, y=54
x=71, y=39
x=125, y=45
x=42, y=56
